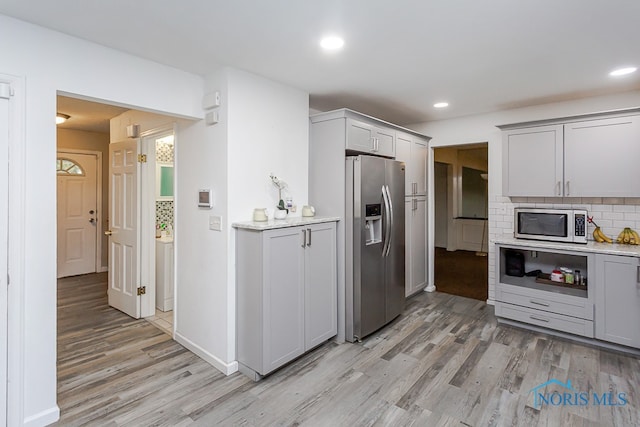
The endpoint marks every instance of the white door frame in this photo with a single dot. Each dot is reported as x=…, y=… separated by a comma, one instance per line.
x=15, y=260
x=100, y=215
x=148, y=216
x=5, y=102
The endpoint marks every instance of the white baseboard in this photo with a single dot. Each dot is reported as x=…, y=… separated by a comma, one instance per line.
x=225, y=368
x=43, y=418
x=103, y=269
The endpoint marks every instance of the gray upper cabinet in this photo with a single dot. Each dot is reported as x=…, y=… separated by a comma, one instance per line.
x=582, y=157
x=618, y=299
x=412, y=150
x=533, y=162
x=367, y=138
x=601, y=158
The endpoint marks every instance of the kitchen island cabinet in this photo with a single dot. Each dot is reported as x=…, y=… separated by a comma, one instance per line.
x=586, y=156
x=286, y=291
x=618, y=299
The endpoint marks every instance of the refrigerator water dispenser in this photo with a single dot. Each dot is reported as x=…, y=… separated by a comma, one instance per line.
x=373, y=224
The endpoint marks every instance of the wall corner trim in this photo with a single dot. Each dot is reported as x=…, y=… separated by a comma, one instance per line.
x=43, y=418
x=225, y=368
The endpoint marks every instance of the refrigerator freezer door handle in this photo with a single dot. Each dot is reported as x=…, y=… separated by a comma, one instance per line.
x=390, y=220
x=385, y=218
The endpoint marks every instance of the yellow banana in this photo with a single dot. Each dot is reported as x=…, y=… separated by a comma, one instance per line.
x=620, y=238
x=636, y=237
x=625, y=239
x=604, y=237
x=597, y=235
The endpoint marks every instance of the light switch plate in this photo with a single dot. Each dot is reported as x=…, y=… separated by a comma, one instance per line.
x=215, y=223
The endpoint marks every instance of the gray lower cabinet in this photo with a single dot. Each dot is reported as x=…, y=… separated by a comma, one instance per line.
x=286, y=294
x=618, y=299
x=553, y=306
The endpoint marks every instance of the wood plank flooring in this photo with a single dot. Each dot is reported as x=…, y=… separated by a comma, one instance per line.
x=444, y=362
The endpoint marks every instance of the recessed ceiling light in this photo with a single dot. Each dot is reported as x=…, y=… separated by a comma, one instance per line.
x=441, y=104
x=332, y=43
x=622, y=71
x=61, y=118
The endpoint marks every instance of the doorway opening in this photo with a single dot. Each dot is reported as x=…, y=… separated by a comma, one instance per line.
x=461, y=220
x=84, y=142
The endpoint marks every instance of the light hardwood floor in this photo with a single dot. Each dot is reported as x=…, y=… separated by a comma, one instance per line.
x=445, y=361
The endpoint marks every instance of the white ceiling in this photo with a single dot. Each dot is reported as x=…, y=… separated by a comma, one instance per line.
x=400, y=56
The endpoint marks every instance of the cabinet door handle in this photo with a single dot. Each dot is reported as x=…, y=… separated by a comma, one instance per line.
x=539, y=303
x=304, y=238
x=638, y=274
x=539, y=319
x=559, y=191
x=309, y=237
x=568, y=187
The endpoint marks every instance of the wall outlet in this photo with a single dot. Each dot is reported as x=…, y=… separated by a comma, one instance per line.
x=215, y=223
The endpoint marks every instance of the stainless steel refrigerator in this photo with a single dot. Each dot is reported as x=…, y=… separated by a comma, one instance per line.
x=374, y=233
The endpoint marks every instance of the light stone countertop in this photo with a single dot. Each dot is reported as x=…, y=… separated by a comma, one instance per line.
x=591, y=246
x=283, y=223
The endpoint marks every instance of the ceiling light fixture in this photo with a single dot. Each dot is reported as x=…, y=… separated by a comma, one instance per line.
x=332, y=43
x=61, y=118
x=622, y=71
x=441, y=104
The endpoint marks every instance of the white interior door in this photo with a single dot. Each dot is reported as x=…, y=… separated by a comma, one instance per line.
x=77, y=213
x=124, y=238
x=4, y=223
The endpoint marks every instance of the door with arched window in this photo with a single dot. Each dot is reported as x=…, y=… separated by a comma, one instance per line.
x=77, y=213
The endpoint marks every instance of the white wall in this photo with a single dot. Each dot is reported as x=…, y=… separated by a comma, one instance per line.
x=50, y=62
x=201, y=321
x=482, y=128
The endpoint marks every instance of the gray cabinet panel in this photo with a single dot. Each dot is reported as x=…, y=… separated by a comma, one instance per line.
x=545, y=319
x=618, y=300
x=320, y=285
x=283, y=298
x=601, y=158
x=533, y=162
x=416, y=242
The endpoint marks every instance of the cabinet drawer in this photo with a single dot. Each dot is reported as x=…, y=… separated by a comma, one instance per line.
x=545, y=301
x=544, y=319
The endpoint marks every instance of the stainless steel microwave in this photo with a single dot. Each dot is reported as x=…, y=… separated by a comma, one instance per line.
x=556, y=225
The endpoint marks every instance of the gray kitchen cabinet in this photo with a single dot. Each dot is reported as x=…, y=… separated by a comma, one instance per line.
x=412, y=150
x=601, y=157
x=533, y=153
x=588, y=156
x=367, y=138
x=617, y=316
x=416, y=244
x=286, y=294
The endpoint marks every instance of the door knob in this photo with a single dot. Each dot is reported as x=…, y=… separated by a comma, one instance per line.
x=108, y=233
x=92, y=220
x=91, y=212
